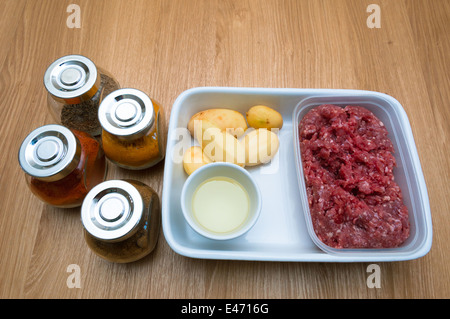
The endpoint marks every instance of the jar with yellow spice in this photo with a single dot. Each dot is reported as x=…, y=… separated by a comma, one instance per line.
x=133, y=130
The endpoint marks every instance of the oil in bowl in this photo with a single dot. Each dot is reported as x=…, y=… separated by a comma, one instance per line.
x=220, y=204
x=221, y=201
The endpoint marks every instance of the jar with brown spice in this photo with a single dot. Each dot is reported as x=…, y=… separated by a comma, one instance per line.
x=61, y=165
x=121, y=220
x=133, y=130
x=76, y=88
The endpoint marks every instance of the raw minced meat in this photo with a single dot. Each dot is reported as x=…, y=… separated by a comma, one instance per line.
x=348, y=165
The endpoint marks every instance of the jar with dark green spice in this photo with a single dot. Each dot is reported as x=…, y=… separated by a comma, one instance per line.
x=76, y=87
x=121, y=220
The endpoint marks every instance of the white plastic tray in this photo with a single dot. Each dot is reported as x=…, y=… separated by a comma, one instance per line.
x=281, y=233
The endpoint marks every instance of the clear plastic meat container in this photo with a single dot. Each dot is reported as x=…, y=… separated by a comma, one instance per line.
x=408, y=173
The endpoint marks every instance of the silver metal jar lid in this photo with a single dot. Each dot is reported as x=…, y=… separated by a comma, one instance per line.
x=49, y=152
x=126, y=113
x=72, y=78
x=112, y=210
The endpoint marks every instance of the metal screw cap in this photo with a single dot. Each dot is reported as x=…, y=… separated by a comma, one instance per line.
x=72, y=78
x=126, y=113
x=112, y=210
x=49, y=152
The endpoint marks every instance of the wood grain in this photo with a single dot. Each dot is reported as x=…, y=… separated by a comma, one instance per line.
x=164, y=47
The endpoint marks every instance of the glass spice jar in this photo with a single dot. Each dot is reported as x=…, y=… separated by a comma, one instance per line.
x=61, y=165
x=75, y=89
x=121, y=220
x=133, y=129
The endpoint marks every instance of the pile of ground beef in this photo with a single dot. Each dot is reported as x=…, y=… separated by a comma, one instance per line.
x=348, y=166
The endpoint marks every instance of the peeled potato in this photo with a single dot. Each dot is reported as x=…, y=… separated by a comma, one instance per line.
x=193, y=159
x=227, y=120
x=261, y=116
x=261, y=145
x=219, y=146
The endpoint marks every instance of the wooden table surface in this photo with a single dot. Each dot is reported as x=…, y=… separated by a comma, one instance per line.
x=164, y=47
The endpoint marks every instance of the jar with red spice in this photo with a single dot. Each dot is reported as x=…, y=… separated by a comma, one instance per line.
x=76, y=87
x=61, y=165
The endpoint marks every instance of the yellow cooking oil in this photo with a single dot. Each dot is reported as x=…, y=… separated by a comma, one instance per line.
x=220, y=204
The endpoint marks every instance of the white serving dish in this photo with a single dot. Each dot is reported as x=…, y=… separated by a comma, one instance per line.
x=281, y=232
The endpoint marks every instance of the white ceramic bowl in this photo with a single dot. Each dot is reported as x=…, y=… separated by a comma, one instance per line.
x=221, y=169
